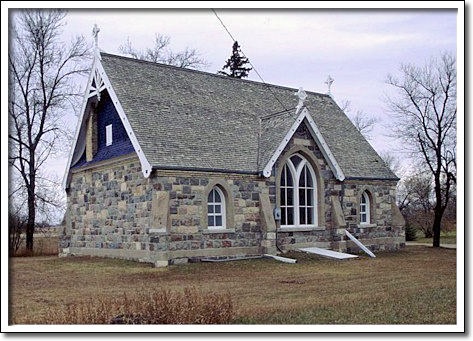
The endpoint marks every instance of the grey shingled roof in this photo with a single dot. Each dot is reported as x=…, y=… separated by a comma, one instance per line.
x=191, y=119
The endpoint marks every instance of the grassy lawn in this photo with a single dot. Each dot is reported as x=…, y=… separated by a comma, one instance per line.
x=44, y=244
x=445, y=238
x=414, y=286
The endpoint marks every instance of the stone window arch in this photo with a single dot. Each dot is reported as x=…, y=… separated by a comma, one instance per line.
x=217, y=206
x=216, y=209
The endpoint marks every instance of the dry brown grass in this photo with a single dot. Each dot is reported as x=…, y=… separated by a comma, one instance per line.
x=43, y=245
x=413, y=286
x=147, y=307
x=445, y=238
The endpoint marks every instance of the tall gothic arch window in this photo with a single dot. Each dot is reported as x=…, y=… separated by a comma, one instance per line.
x=216, y=209
x=298, y=195
x=365, y=208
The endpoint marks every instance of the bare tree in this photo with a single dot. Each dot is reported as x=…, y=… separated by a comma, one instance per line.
x=364, y=123
x=415, y=201
x=41, y=91
x=16, y=229
x=160, y=53
x=425, y=113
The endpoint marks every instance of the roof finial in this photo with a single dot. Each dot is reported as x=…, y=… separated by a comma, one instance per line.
x=95, y=33
x=329, y=82
x=302, y=96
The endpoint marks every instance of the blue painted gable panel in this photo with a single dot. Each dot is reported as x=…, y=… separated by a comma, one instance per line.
x=121, y=144
x=109, y=115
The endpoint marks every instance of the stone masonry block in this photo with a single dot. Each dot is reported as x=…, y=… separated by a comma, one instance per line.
x=160, y=211
x=338, y=219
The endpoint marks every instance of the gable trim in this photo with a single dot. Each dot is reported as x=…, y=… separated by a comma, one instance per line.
x=145, y=165
x=99, y=85
x=85, y=100
x=98, y=73
x=315, y=132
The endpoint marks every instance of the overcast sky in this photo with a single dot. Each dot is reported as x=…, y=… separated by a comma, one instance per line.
x=294, y=48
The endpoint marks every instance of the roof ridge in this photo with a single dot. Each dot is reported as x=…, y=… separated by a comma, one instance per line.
x=211, y=74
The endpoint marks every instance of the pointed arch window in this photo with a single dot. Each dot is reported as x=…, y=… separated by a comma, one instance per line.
x=298, y=195
x=365, y=208
x=216, y=209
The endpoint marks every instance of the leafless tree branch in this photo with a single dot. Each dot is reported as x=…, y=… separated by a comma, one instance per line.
x=363, y=123
x=161, y=53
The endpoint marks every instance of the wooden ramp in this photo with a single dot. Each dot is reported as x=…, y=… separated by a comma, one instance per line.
x=327, y=253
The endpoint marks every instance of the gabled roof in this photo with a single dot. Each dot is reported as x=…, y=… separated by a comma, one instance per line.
x=303, y=117
x=184, y=118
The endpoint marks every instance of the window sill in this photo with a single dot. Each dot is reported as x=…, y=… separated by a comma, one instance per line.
x=157, y=231
x=361, y=225
x=301, y=229
x=209, y=231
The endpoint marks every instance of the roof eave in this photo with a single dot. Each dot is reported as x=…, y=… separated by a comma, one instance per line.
x=372, y=178
x=198, y=169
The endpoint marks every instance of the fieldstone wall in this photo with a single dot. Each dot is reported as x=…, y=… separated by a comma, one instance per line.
x=111, y=207
x=382, y=233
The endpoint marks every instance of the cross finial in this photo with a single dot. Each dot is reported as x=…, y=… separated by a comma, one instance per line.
x=329, y=82
x=302, y=96
x=95, y=33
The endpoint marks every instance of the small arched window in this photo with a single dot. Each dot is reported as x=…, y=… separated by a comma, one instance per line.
x=298, y=195
x=216, y=209
x=365, y=208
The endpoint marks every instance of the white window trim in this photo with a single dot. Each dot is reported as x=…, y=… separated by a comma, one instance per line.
x=222, y=210
x=109, y=134
x=295, y=181
x=367, y=209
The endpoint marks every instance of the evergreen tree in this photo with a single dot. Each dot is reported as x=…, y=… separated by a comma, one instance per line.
x=236, y=64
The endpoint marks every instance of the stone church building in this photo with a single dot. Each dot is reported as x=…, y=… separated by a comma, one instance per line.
x=171, y=165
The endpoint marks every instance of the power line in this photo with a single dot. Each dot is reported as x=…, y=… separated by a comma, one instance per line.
x=234, y=40
x=225, y=27
x=274, y=114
